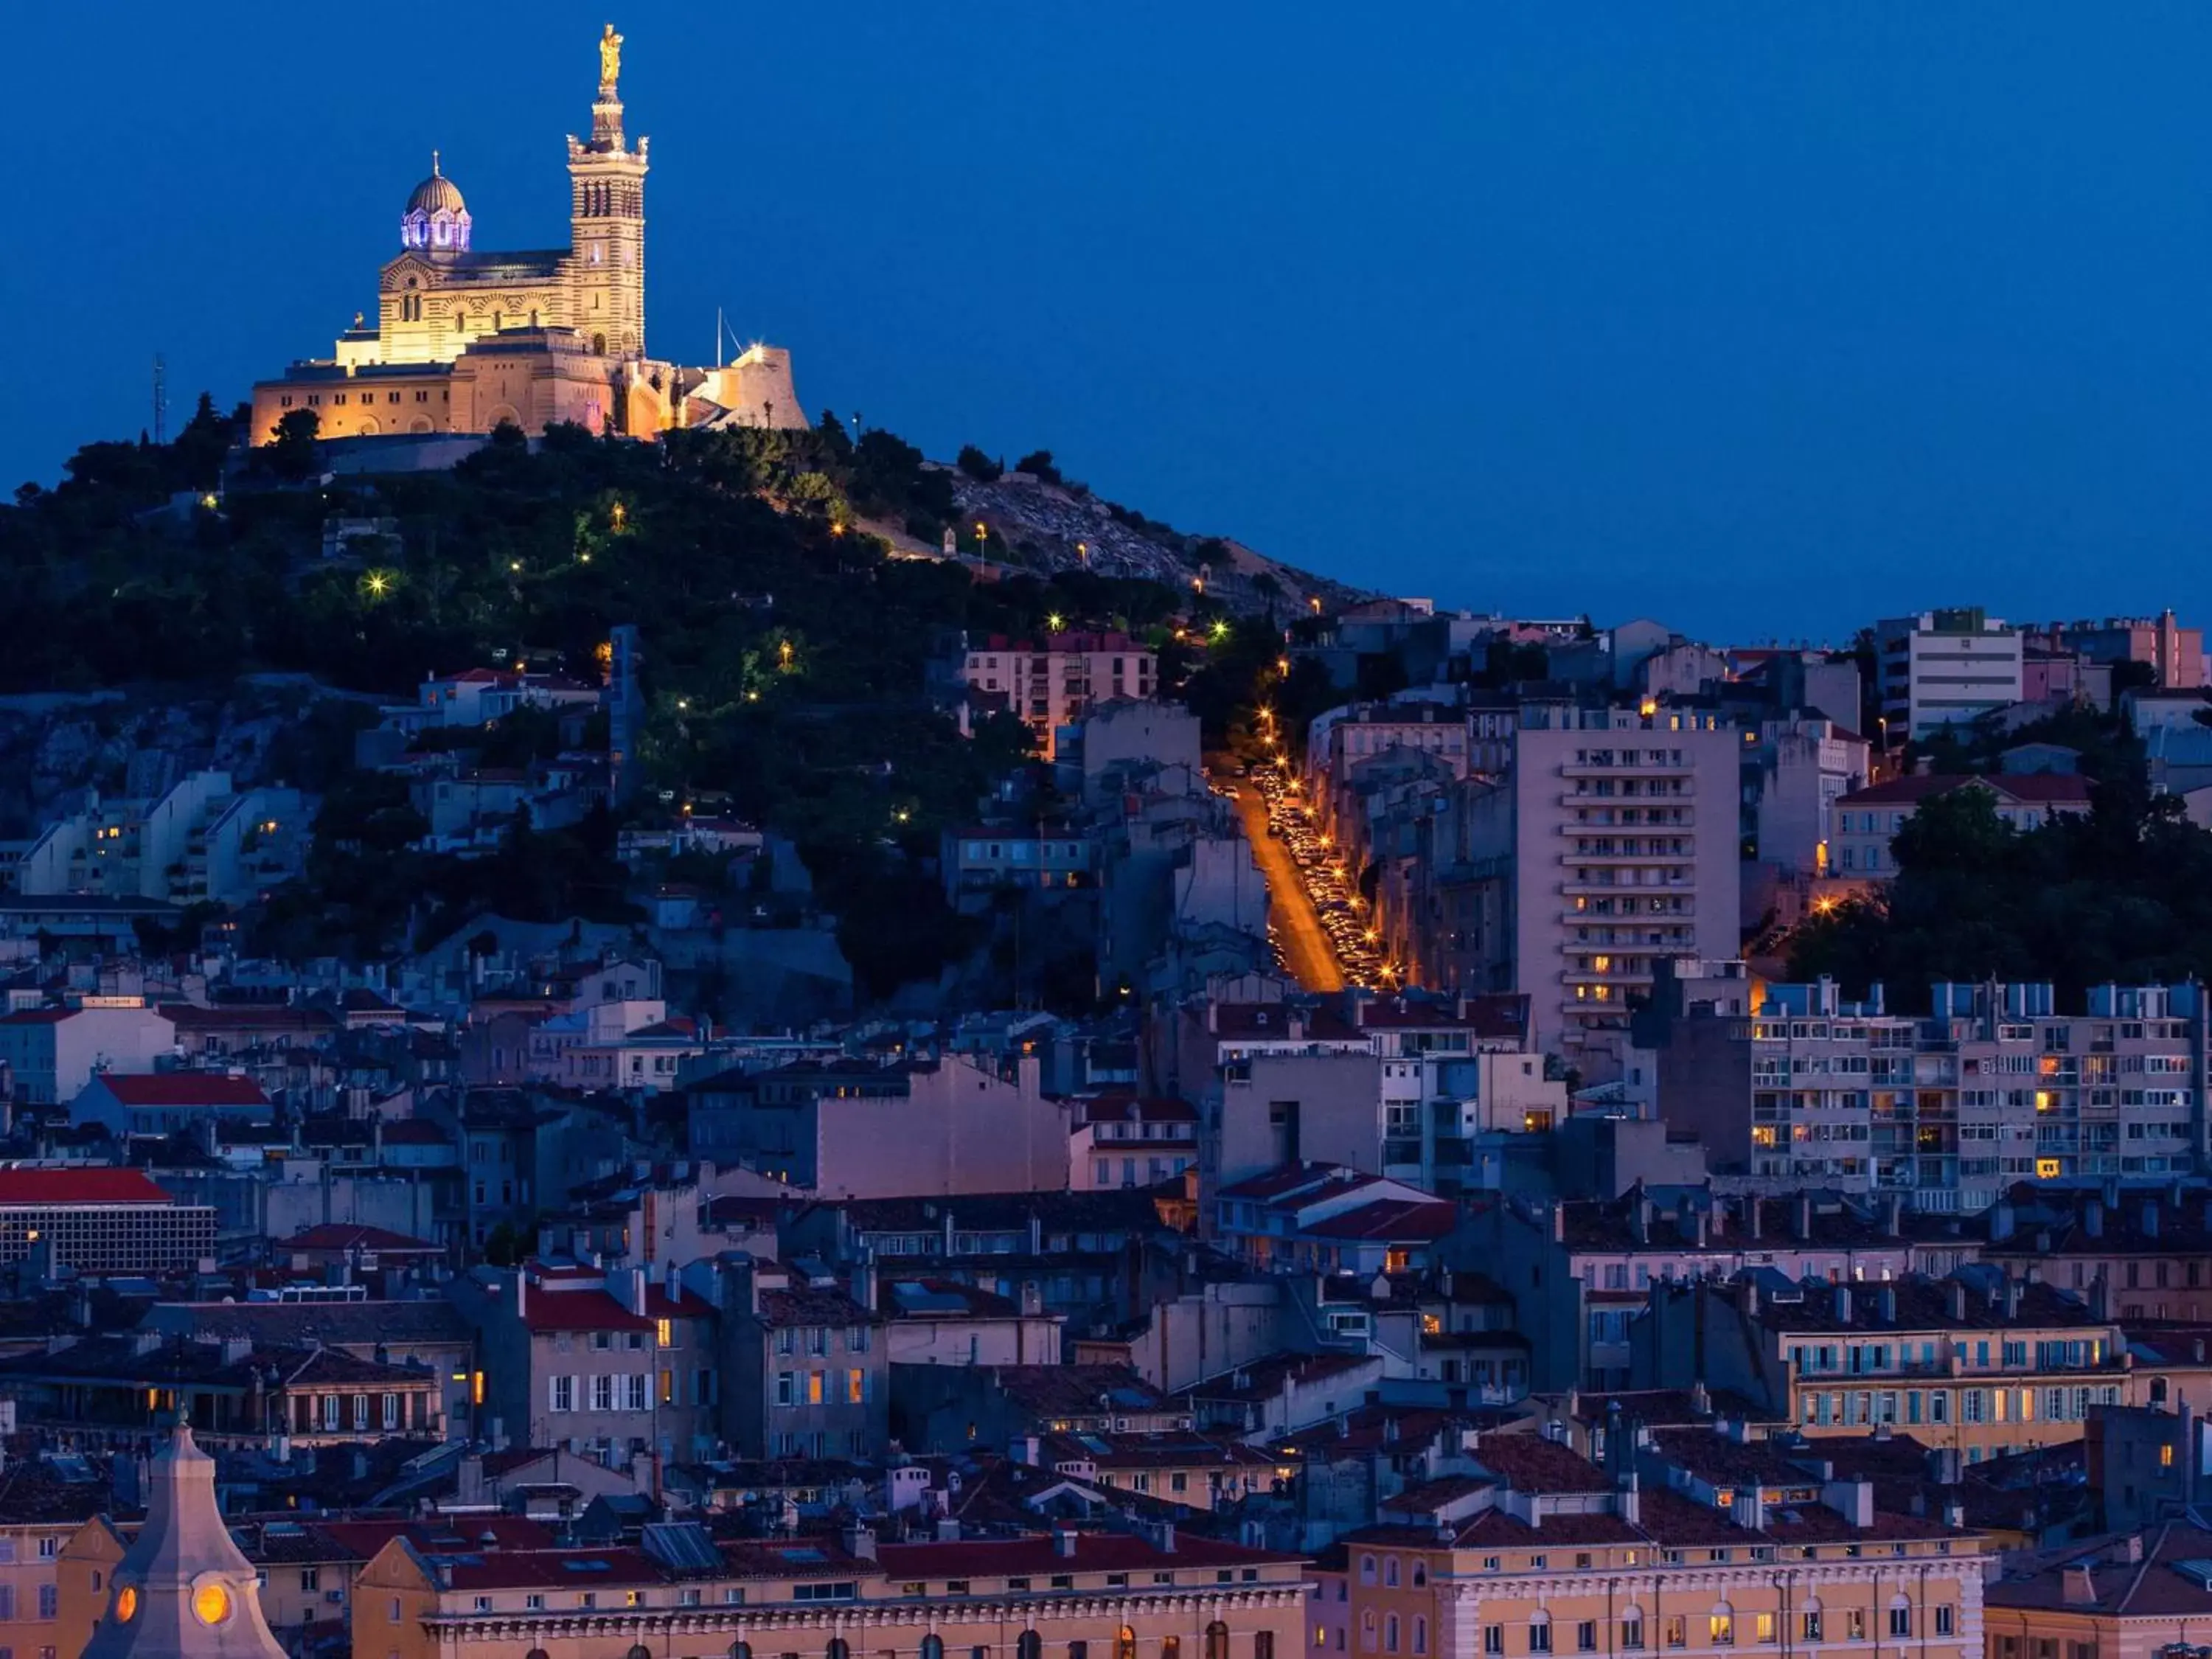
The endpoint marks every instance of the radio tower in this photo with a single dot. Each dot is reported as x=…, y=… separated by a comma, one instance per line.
x=160, y=399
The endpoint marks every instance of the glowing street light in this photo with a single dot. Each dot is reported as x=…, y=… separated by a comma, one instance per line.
x=1055, y=622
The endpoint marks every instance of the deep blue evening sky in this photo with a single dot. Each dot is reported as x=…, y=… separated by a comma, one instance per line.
x=1761, y=319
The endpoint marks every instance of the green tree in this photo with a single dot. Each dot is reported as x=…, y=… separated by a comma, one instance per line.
x=291, y=453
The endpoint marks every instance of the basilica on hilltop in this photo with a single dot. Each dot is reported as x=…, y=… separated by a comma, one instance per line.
x=463, y=341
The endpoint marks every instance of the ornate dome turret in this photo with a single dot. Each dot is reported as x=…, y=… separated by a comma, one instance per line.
x=437, y=216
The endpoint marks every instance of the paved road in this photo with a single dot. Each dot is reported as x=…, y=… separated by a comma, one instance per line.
x=1306, y=951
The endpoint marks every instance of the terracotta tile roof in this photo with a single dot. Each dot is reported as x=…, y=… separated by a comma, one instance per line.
x=1530, y=1463
x=156, y=1089
x=813, y=1304
x=2154, y=1588
x=1094, y=1553
x=270, y=1016
x=1389, y=1218
x=73, y=1187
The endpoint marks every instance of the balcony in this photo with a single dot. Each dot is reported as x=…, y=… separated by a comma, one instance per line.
x=1573, y=889
x=1638, y=768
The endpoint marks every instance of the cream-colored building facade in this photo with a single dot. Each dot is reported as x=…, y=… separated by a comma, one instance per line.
x=1093, y=1596
x=465, y=340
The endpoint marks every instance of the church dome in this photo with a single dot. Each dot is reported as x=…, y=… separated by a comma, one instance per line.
x=437, y=218
x=437, y=194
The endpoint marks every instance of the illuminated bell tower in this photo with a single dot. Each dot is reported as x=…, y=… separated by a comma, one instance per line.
x=606, y=266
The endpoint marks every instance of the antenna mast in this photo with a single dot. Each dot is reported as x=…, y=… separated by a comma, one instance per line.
x=160, y=399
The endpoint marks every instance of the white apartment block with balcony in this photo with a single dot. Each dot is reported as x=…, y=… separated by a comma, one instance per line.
x=202, y=840
x=1949, y=1110
x=1611, y=843
x=1945, y=667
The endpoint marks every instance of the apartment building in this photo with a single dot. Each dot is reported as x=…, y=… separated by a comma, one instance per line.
x=1592, y=1263
x=102, y=1220
x=1325, y=1219
x=2151, y=1248
x=1869, y=821
x=806, y=1370
x=1126, y=1141
x=52, y=1052
x=1535, y=1550
x=1159, y=1593
x=1611, y=844
x=616, y=1362
x=848, y=1128
x=202, y=840
x=1059, y=681
x=1413, y=1087
x=2139, y=1596
x=1994, y=1087
x=1944, y=667
x=1977, y=1362
x=2174, y=655
x=1807, y=765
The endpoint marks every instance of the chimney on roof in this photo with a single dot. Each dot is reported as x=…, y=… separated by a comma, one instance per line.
x=1559, y=1221
x=864, y=1284
x=1852, y=1499
x=1885, y=1304
x=1803, y=1217
x=2093, y=1219
x=1701, y=1398
x=1843, y=1304
x=2080, y=1586
x=2013, y=1287
x=859, y=1542
x=1063, y=1542
x=637, y=1291
x=1957, y=1290
x=2150, y=1217
x=1751, y=1217
x=1639, y=1216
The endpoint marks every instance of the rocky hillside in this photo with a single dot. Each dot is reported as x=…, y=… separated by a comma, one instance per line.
x=1048, y=526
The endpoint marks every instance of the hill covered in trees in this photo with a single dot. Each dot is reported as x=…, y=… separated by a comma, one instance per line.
x=788, y=652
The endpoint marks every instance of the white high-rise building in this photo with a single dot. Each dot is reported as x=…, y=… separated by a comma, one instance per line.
x=1944, y=667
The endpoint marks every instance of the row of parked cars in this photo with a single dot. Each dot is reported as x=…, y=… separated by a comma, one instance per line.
x=1329, y=881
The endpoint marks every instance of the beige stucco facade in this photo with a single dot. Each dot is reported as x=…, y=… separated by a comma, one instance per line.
x=1184, y=1603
